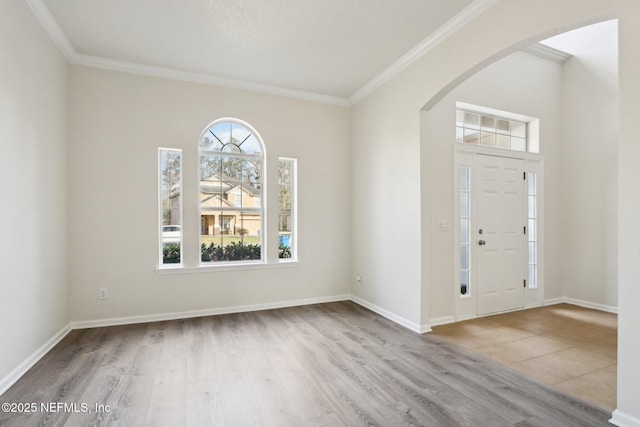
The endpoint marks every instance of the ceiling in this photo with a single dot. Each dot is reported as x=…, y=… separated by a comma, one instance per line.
x=590, y=38
x=332, y=50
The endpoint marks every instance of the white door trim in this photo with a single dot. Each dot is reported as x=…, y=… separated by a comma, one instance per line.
x=465, y=307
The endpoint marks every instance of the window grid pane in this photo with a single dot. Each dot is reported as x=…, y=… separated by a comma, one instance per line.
x=170, y=206
x=287, y=236
x=490, y=131
x=465, y=230
x=532, y=232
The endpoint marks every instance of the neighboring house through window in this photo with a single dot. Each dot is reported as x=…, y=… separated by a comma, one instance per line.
x=170, y=209
x=231, y=162
x=287, y=224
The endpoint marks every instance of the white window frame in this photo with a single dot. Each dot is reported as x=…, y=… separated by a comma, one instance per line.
x=294, y=242
x=263, y=193
x=532, y=232
x=470, y=219
x=237, y=197
x=161, y=264
x=190, y=255
x=532, y=124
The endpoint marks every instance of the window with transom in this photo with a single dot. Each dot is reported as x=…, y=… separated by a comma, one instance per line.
x=491, y=131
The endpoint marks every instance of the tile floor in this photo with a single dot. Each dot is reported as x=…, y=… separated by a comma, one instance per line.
x=570, y=348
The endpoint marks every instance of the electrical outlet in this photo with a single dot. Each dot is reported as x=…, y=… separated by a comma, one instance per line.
x=103, y=293
x=358, y=278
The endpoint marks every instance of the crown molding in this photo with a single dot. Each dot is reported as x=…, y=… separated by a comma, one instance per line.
x=453, y=25
x=50, y=25
x=547, y=52
x=43, y=15
x=207, y=79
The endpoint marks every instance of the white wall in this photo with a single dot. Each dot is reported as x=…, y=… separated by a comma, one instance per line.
x=385, y=209
x=33, y=126
x=386, y=125
x=628, y=412
x=119, y=120
x=590, y=121
x=520, y=83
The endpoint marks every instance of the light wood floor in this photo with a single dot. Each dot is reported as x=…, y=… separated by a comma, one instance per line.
x=332, y=364
x=574, y=349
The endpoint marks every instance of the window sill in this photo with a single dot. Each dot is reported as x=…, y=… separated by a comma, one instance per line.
x=228, y=266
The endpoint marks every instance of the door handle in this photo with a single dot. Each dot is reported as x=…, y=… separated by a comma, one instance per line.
x=482, y=242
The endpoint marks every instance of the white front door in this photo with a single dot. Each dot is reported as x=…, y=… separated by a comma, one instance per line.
x=500, y=234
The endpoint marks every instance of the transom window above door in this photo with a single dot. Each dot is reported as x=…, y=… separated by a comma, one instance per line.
x=489, y=130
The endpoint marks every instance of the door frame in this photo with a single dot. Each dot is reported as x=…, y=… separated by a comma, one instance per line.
x=465, y=307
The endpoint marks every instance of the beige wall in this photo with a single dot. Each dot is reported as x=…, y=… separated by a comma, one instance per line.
x=119, y=120
x=33, y=248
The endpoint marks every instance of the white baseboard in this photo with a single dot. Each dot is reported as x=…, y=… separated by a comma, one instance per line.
x=621, y=419
x=444, y=320
x=425, y=328
x=582, y=303
x=466, y=317
x=391, y=316
x=130, y=320
x=533, y=305
x=554, y=301
x=595, y=306
x=28, y=363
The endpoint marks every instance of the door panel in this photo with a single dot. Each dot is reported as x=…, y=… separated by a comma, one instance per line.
x=500, y=234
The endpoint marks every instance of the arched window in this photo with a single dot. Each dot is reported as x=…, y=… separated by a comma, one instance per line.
x=231, y=159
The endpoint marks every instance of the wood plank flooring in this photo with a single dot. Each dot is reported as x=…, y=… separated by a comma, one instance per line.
x=334, y=364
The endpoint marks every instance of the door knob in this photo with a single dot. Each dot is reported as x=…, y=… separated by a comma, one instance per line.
x=482, y=242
